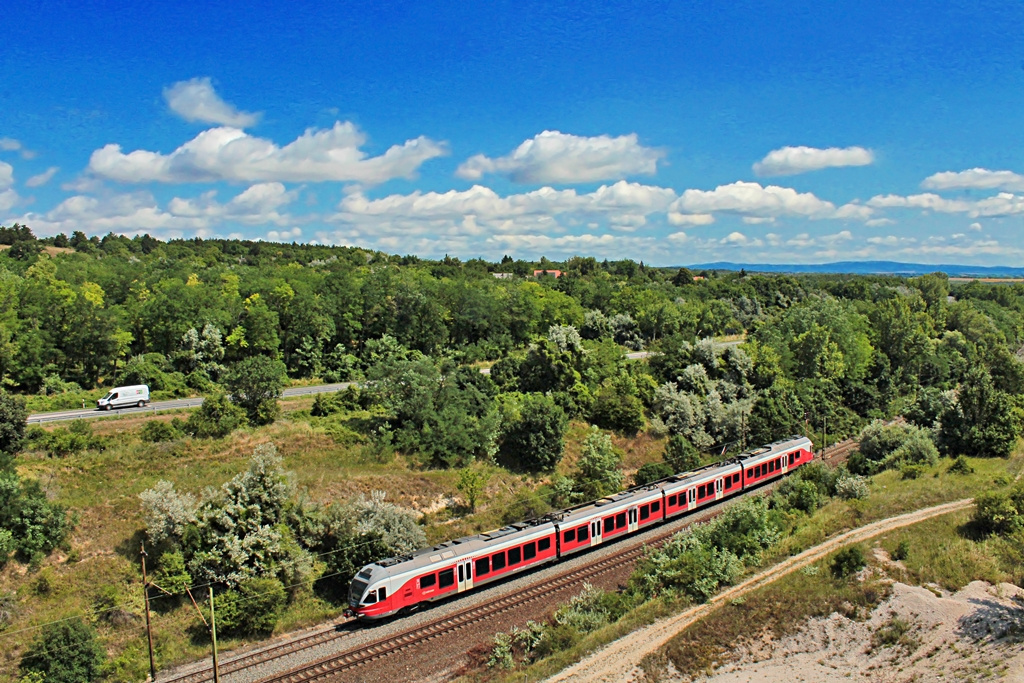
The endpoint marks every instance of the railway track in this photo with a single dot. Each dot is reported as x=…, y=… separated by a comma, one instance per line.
x=352, y=658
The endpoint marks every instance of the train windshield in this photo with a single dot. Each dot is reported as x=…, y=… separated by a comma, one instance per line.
x=355, y=591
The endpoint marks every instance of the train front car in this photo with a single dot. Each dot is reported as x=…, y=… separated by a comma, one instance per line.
x=368, y=594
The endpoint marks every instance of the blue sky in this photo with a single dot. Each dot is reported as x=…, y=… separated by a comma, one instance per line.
x=674, y=132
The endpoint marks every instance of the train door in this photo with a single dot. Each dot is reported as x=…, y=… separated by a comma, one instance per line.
x=719, y=488
x=693, y=497
x=633, y=525
x=595, y=532
x=465, y=575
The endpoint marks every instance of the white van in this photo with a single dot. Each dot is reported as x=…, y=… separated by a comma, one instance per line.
x=123, y=397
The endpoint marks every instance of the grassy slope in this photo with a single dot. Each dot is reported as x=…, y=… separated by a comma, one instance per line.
x=103, y=487
x=952, y=562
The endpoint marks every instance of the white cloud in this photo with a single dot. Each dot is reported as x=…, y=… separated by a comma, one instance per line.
x=738, y=239
x=926, y=201
x=554, y=157
x=623, y=205
x=976, y=227
x=130, y=213
x=676, y=218
x=891, y=240
x=754, y=201
x=8, y=199
x=258, y=204
x=195, y=100
x=975, y=179
x=284, y=235
x=757, y=220
x=794, y=160
x=138, y=212
x=1002, y=204
x=12, y=145
x=6, y=175
x=232, y=154
x=879, y=222
x=42, y=178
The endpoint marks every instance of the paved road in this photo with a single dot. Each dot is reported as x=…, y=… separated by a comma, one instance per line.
x=178, y=404
x=175, y=404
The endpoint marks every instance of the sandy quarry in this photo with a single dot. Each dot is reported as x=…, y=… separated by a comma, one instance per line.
x=953, y=637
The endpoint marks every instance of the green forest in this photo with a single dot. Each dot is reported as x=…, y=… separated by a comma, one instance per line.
x=598, y=376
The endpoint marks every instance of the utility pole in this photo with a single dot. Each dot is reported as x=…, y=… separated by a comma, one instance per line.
x=213, y=637
x=149, y=626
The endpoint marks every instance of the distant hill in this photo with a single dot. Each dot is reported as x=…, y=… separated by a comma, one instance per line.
x=866, y=268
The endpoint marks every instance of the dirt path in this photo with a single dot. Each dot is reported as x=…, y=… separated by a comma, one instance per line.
x=620, y=660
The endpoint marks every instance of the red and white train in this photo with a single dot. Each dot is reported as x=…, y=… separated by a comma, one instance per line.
x=401, y=584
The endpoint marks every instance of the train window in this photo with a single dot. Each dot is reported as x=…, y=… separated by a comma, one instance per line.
x=515, y=556
x=620, y=520
x=445, y=578
x=700, y=491
x=672, y=500
x=609, y=524
x=736, y=478
x=382, y=594
x=582, y=534
x=428, y=580
x=569, y=536
x=645, y=511
x=530, y=551
x=370, y=598
x=483, y=566
x=498, y=561
x=655, y=506
x=792, y=458
x=543, y=544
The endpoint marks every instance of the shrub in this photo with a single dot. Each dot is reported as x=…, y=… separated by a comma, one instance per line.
x=911, y=472
x=471, y=483
x=171, y=574
x=61, y=442
x=598, y=467
x=680, y=454
x=12, y=426
x=847, y=562
x=532, y=434
x=166, y=512
x=652, y=471
x=799, y=494
x=65, y=652
x=36, y=525
x=155, y=370
x=850, y=486
x=688, y=564
x=216, y=418
x=156, y=431
x=892, y=446
x=960, y=466
x=902, y=551
x=616, y=410
x=251, y=609
x=996, y=513
x=255, y=384
x=323, y=405
x=396, y=525
x=589, y=610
